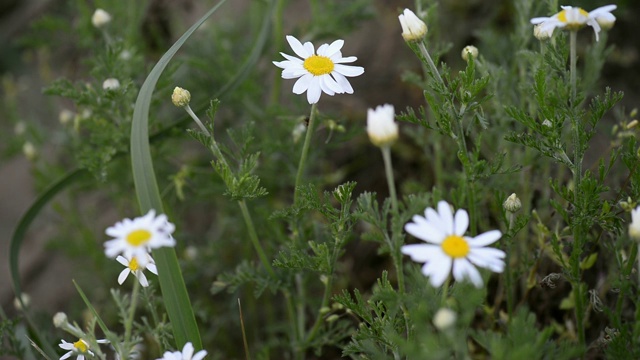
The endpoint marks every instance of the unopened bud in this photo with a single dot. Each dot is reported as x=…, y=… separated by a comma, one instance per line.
x=100, y=18
x=469, y=50
x=60, y=319
x=180, y=97
x=413, y=29
x=444, y=319
x=632, y=124
x=111, y=84
x=29, y=151
x=66, y=116
x=512, y=204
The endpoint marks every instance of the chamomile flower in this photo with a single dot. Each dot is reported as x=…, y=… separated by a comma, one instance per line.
x=185, y=354
x=449, y=249
x=133, y=266
x=381, y=127
x=318, y=71
x=134, y=238
x=80, y=348
x=634, y=227
x=575, y=18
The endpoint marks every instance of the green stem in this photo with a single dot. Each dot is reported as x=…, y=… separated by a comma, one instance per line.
x=195, y=118
x=128, y=326
x=253, y=235
x=572, y=54
x=388, y=170
x=278, y=36
x=305, y=152
x=445, y=291
x=433, y=67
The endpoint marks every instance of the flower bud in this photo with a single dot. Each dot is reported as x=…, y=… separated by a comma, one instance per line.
x=542, y=33
x=111, y=84
x=444, y=319
x=469, y=50
x=29, y=151
x=382, y=129
x=512, y=204
x=60, y=319
x=26, y=299
x=413, y=29
x=100, y=18
x=65, y=116
x=180, y=97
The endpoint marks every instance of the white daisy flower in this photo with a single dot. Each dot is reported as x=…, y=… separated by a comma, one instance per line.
x=381, y=127
x=185, y=354
x=634, y=227
x=133, y=266
x=449, y=248
x=318, y=71
x=80, y=348
x=134, y=238
x=575, y=18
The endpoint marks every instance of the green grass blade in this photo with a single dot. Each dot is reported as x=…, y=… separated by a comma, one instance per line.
x=16, y=243
x=174, y=291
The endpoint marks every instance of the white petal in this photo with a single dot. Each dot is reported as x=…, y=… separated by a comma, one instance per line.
x=437, y=270
x=293, y=59
x=341, y=60
x=538, y=20
x=462, y=269
x=66, y=356
x=297, y=47
x=461, y=222
x=446, y=217
x=199, y=355
x=314, y=92
x=187, y=351
x=323, y=85
x=123, y=275
x=122, y=260
x=343, y=82
x=302, y=84
x=141, y=278
x=424, y=230
x=484, y=239
x=596, y=27
x=421, y=252
x=348, y=70
x=332, y=84
x=488, y=258
x=602, y=10
x=333, y=48
x=152, y=268
x=321, y=50
x=309, y=48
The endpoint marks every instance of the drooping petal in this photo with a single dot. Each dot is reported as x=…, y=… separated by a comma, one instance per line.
x=314, y=91
x=123, y=275
x=152, y=268
x=462, y=269
x=141, y=278
x=66, y=356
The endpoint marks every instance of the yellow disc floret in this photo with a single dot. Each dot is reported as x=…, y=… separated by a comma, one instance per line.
x=574, y=18
x=318, y=65
x=455, y=246
x=81, y=346
x=138, y=237
x=133, y=264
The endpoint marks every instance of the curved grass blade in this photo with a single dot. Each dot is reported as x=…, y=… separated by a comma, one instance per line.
x=16, y=243
x=174, y=292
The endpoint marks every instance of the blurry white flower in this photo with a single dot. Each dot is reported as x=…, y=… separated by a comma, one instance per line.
x=634, y=227
x=100, y=18
x=512, y=204
x=180, y=97
x=542, y=33
x=449, y=249
x=318, y=71
x=26, y=300
x=20, y=128
x=133, y=266
x=381, y=127
x=29, y=151
x=111, y=84
x=547, y=123
x=444, y=318
x=575, y=18
x=413, y=29
x=134, y=238
x=80, y=348
x=469, y=50
x=185, y=354
x=66, y=116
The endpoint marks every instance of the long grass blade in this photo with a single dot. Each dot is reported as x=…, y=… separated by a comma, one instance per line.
x=172, y=285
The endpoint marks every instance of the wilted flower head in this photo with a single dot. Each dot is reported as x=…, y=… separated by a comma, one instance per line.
x=111, y=84
x=413, y=29
x=100, y=18
x=575, y=18
x=447, y=248
x=469, y=50
x=381, y=127
x=318, y=71
x=180, y=97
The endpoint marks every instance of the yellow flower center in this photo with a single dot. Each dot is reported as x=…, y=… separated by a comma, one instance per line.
x=318, y=65
x=138, y=237
x=133, y=264
x=455, y=246
x=81, y=346
x=573, y=24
